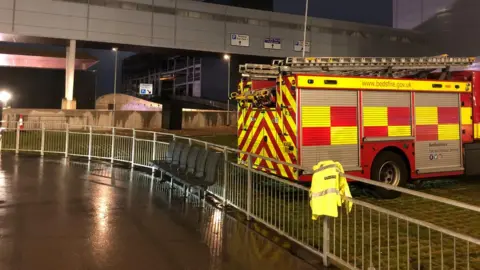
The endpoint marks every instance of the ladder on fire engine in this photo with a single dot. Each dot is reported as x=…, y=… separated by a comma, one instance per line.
x=394, y=67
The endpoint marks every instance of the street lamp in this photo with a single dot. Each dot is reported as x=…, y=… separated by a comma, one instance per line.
x=115, y=50
x=226, y=57
x=305, y=28
x=5, y=97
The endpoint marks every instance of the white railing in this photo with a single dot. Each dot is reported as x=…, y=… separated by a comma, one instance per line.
x=373, y=235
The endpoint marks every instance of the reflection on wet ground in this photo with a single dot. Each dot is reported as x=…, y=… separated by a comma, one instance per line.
x=57, y=215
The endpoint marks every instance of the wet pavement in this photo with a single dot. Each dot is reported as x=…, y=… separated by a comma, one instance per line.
x=57, y=215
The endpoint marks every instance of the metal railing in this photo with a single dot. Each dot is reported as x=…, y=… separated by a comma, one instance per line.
x=372, y=235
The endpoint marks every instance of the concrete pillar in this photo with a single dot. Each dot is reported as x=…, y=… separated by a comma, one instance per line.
x=68, y=103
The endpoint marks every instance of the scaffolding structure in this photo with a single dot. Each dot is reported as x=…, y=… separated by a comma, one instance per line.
x=176, y=76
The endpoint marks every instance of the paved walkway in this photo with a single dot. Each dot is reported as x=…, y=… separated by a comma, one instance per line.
x=54, y=215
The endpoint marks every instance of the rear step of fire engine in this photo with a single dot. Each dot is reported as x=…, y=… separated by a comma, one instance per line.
x=357, y=66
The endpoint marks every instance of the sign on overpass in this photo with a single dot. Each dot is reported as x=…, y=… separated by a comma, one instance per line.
x=240, y=40
x=298, y=46
x=146, y=89
x=272, y=43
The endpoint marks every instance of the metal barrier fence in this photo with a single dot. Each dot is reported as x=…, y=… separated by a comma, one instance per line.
x=368, y=237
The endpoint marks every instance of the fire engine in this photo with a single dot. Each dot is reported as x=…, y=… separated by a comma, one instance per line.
x=386, y=119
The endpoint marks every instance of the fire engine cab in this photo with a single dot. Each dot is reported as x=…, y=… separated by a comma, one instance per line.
x=386, y=119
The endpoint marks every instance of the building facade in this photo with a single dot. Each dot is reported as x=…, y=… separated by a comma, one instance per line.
x=409, y=14
x=448, y=26
x=375, y=12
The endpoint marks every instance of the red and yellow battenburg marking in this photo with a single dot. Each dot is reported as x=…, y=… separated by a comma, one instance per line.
x=437, y=123
x=326, y=125
x=387, y=122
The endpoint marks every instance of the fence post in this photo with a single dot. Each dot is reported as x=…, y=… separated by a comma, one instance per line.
x=90, y=135
x=17, y=139
x=225, y=175
x=249, y=187
x=133, y=148
x=66, y=139
x=112, y=155
x=42, y=144
x=154, y=152
x=326, y=240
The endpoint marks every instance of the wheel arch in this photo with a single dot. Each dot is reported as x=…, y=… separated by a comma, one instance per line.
x=396, y=150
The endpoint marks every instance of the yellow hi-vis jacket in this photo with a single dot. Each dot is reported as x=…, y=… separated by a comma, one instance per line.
x=328, y=190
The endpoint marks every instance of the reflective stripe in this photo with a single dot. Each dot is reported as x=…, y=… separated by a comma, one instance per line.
x=325, y=192
x=326, y=167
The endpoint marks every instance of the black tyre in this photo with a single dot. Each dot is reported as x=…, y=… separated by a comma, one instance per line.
x=389, y=168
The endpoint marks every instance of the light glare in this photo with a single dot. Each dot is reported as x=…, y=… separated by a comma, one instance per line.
x=5, y=96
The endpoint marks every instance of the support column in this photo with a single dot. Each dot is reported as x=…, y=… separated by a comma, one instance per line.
x=68, y=103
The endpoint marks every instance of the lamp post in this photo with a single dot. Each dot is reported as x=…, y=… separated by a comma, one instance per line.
x=305, y=28
x=226, y=57
x=95, y=89
x=115, y=50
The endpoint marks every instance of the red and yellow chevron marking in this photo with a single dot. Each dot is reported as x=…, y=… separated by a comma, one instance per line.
x=287, y=110
x=437, y=123
x=253, y=141
x=273, y=131
x=270, y=133
x=288, y=105
x=262, y=141
x=244, y=110
x=387, y=121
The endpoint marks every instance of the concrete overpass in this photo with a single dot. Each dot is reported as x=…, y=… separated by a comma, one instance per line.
x=190, y=25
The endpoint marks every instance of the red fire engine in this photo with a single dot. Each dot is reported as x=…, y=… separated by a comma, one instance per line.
x=386, y=119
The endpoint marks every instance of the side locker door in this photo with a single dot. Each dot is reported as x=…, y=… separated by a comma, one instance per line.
x=438, y=132
x=329, y=127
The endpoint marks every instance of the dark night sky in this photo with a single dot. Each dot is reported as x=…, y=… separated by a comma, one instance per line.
x=106, y=68
x=45, y=88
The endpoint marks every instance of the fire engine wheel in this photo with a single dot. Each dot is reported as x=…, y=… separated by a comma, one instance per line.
x=389, y=168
